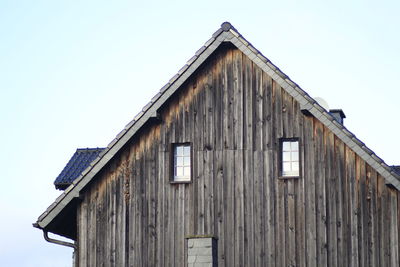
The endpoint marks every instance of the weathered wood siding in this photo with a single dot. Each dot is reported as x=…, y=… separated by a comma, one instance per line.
x=339, y=213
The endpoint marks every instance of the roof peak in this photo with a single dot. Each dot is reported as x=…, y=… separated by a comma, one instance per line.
x=226, y=26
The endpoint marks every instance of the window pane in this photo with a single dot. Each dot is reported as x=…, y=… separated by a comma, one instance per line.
x=187, y=161
x=179, y=161
x=286, y=156
x=187, y=172
x=286, y=146
x=286, y=166
x=295, y=156
x=187, y=150
x=295, y=166
x=179, y=171
x=179, y=150
x=295, y=146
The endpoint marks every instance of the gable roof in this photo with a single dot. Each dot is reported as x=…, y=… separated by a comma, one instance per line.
x=226, y=33
x=75, y=166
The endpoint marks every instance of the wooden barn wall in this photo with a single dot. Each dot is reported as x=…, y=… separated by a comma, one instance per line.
x=339, y=213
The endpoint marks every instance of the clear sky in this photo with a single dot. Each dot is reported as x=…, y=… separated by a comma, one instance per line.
x=74, y=73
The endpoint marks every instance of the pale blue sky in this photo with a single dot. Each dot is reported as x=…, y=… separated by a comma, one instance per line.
x=73, y=73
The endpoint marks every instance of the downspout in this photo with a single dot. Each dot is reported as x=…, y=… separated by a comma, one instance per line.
x=58, y=242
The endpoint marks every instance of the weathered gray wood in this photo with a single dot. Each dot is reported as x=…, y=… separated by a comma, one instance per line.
x=300, y=190
x=331, y=186
x=227, y=82
x=160, y=226
x=394, y=228
x=229, y=161
x=339, y=193
x=364, y=237
x=208, y=192
x=373, y=219
x=219, y=199
x=258, y=207
x=310, y=199
x=248, y=209
x=321, y=200
x=339, y=212
x=200, y=193
x=383, y=231
x=239, y=208
x=247, y=182
x=353, y=206
x=289, y=124
x=240, y=80
x=92, y=230
x=270, y=214
x=269, y=174
x=82, y=233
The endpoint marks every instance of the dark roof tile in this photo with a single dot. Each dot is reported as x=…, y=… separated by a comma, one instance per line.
x=76, y=165
x=396, y=169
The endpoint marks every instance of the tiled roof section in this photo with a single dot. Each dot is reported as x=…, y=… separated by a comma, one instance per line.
x=396, y=169
x=227, y=33
x=76, y=165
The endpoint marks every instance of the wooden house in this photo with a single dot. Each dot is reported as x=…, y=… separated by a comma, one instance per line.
x=232, y=164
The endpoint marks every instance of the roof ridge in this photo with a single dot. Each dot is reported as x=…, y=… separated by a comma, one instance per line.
x=90, y=148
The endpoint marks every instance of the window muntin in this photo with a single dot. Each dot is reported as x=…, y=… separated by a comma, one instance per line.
x=182, y=162
x=290, y=158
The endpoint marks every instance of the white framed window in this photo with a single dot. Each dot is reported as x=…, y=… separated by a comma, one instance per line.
x=290, y=158
x=182, y=163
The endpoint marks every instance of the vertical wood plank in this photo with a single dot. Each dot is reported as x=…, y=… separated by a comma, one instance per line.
x=381, y=223
x=200, y=193
x=321, y=200
x=227, y=82
x=353, y=206
x=248, y=208
x=310, y=198
x=364, y=240
x=289, y=124
x=270, y=214
x=280, y=184
x=394, y=228
x=161, y=181
x=220, y=202
x=259, y=221
x=82, y=233
x=229, y=234
x=238, y=86
x=239, y=208
x=373, y=220
x=300, y=189
x=331, y=182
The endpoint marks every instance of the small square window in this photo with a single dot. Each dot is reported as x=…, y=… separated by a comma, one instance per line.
x=289, y=158
x=181, y=163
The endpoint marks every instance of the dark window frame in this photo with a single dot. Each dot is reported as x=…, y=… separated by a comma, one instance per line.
x=172, y=163
x=280, y=158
